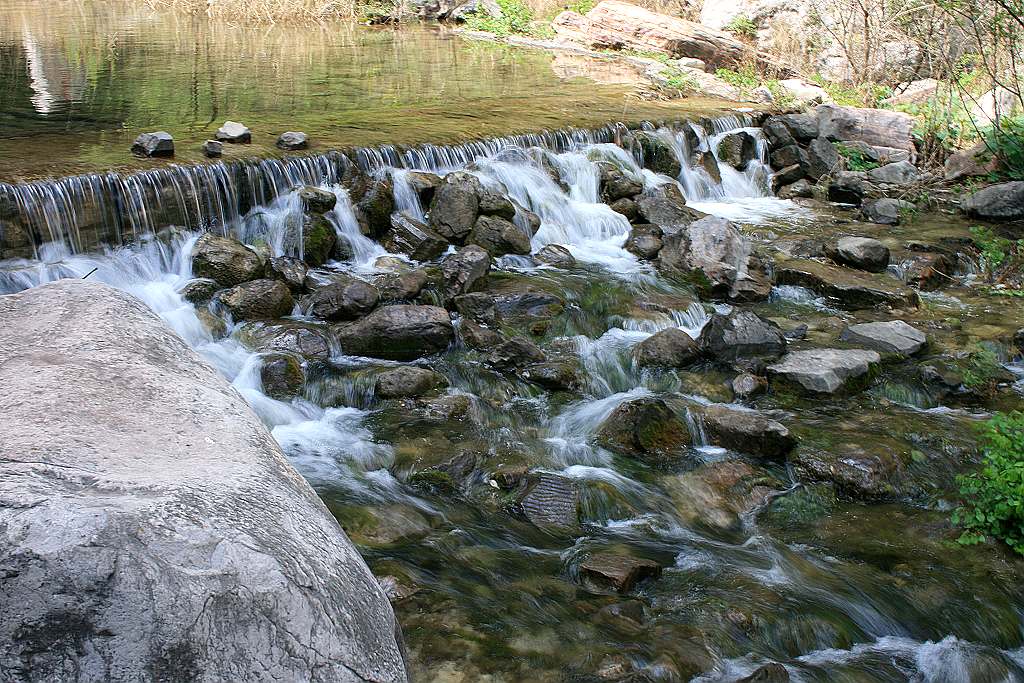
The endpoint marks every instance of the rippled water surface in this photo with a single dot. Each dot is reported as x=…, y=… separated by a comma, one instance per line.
x=79, y=79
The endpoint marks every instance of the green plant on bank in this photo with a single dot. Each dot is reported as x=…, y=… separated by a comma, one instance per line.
x=859, y=95
x=782, y=97
x=742, y=26
x=745, y=78
x=981, y=370
x=856, y=159
x=680, y=80
x=1006, y=143
x=994, y=496
x=516, y=18
x=996, y=252
x=581, y=6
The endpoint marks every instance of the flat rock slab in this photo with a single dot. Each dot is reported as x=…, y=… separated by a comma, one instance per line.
x=893, y=336
x=825, y=371
x=619, y=572
x=845, y=288
x=150, y=527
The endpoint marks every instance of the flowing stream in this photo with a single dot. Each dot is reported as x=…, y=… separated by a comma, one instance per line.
x=832, y=590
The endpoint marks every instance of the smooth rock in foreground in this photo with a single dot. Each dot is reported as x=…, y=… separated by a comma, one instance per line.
x=188, y=546
x=893, y=336
x=825, y=371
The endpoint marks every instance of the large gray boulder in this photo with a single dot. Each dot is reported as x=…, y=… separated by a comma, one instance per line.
x=151, y=527
x=825, y=371
x=1002, y=202
x=741, y=334
x=721, y=255
x=876, y=127
x=892, y=336
x=865, y=253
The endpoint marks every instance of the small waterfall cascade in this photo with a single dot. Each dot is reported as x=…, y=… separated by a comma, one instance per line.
x=86, y=212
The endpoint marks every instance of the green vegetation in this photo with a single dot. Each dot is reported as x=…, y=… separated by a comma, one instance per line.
x=742, y=26
x=746, y=78
x=981, y=370
x=581, y=6
x=1006, y=143
x=516, y=18
x=856, y=159
x=997, y=254
x=994, y=496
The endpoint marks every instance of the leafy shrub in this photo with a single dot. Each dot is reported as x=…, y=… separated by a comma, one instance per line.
x=856, y=159
x=517, y=18
x=1006, y=143
x=994, y=496
x=742, y=26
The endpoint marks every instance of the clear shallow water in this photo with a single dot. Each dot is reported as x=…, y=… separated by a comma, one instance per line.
x=832, y=590
x=79, y=79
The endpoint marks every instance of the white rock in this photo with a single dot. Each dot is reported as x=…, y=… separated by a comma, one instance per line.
x=893, y=336
x=824, y=371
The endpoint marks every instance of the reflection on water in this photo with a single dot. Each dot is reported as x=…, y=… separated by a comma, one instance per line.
x=82, y=78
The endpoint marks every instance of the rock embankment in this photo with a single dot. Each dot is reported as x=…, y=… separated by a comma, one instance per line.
x=151, y=527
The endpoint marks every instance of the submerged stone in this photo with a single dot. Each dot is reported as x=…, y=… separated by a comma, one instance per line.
x=746, y=431
x=617, y=572
x=407, y=382
x=550, y=501
x=646, y=429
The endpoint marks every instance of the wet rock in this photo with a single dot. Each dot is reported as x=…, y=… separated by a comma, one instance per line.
x=410, y=237
x=225, y=260
x=859, y=471
x=669, y=348
x=396, y=589
x=216, y=326
x=199, y=290
x=797, y=333
x=769, y=673
x=737, y=149
x=617, y=572
x=515, y=354
x=342, y=299
x=709, y=163
x=399, y=332
x=532, y=220
x=886, y=211
x=464, y=270
x=407, y=382
x=748, y=386
x=928, y=272
x=158, y=144
x=499, y=236
x=257, y=300
x=1000, y=202
x=306, y=340
x=282, y=376
x=741, y=334
x=233, y=132
x=556, y=255
x=645, y=241
x=800, y=188
x=317, y=200
x=443, y=410
x=714, y=247
x=864, y=253
x=803, y=127
x=172, y=554
x=746, y=431
x=550, y=502
x=494, y=202
x=424, y=185
x=554, y=376
x=374, y=207
x=625, y=617
x=847, y=289
x=787, y=176
x=617, y=185
x=646, y=429
x=319, y=239
x=213, y=149
x=402, y=287
x=894, y=336
x=876, y=127
x=665, y=206
x=898, y=174
x=288, y=270
x=718, y=494
x=822, y=159
x=848, y=187
x=292, y=141
x=477, y=336
x=791, y=155
x=777, y=133
x=455, y=207
x=528, y=303
x=826, y=371
x=627, y=208
x=478, y=306
x=658, y=154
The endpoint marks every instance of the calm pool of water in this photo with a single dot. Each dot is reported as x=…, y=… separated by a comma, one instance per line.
x=79, y=79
